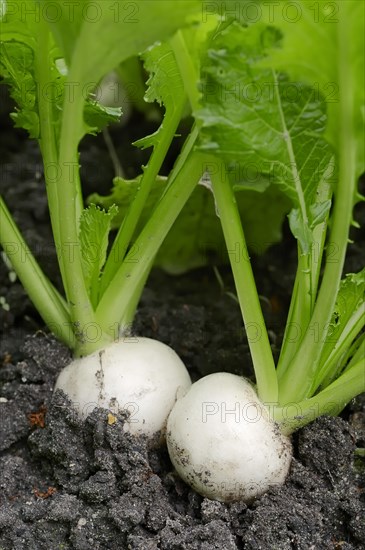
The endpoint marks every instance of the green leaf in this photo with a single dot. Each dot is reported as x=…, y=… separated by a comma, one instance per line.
x=101, y=35
x=123, y=193
x=20, y=67
x=348, y=316
x=94, y=38
x=95, y=225
x=256, y=117
x=317, y=214
x=321, y=61
x=164, y=86
x=196, y=238
x=98, y=116
x=351, y=296
x=17, y=70
x=262, y=217
x=67, y=27
x=14, y=23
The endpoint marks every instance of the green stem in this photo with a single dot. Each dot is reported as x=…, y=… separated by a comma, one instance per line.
x=126, y=282
x=334, y=360
x=187, y=69
x=299, y=313
x=324, y=194
x=306, y=284
x=48, y=142
x=45, y=297
x=166, y=134
x=47, y=139
x=118, y=168
x=298, y=378
x=130, y=310
x=261, y=353
x=357, y=351
x=330, y=401
x=129, y=224
x=69, y=209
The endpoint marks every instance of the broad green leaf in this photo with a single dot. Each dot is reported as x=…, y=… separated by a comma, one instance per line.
x=94, y=37
x=67, y=26
x=100, y=35
x=262, y=217
x=312, y=50
x=17, y=23
x=196, y=238
x=95, y=225
x=256, y=117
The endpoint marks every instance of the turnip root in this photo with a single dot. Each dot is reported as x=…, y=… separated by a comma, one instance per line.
x=222, y=442
x=140, y=375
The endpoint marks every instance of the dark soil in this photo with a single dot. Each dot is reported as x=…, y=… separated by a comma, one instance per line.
x=67, y=484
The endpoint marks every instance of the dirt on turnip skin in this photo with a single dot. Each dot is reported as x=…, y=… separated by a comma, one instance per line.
x=69, y=484
x=140, y=375
x=223, y=443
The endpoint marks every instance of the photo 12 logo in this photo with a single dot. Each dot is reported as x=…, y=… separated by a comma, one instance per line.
x=238, y=412
x=253, y=11
x=70, y=11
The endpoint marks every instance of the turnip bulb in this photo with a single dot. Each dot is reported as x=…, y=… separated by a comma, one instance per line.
x=140, y=375
x=222, y=441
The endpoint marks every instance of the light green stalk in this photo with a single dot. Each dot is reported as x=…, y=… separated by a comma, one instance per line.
x=298, y=378
x=45, y=297
x=330, y=401
x=121, y=290
x=267, y=387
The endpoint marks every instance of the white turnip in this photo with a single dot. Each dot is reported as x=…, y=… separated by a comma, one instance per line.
x=140, y=375
x=223, y=443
